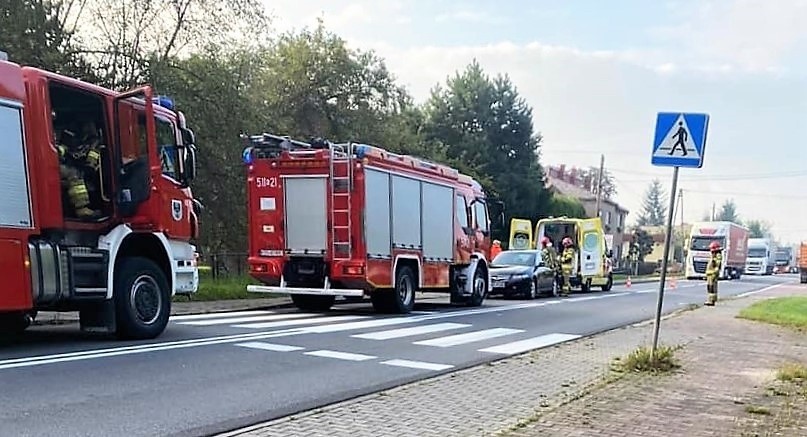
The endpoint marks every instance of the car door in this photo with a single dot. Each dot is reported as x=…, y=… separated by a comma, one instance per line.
x=542, y=273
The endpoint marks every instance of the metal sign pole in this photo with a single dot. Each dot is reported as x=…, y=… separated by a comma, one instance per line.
x=664, y=258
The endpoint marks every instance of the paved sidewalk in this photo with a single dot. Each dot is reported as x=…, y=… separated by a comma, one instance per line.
x=562, y=391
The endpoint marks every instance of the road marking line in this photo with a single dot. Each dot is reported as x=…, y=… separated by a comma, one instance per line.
x=210, y=341
x=269, y=346
x=520, y=346
x=470, y=337
x=749, y=293
x=417, y=365
x=340, y=355
x=219, y=314
x=233, y=320
x=408, y=332
x=265, y=325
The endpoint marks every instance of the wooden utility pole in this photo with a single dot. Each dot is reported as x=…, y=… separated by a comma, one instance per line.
x=599, y=185
x=713, y=211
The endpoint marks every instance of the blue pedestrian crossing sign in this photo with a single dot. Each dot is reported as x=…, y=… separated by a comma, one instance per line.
x=680, y=139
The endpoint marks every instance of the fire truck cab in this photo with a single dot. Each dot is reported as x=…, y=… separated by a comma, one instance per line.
x=356, y=220
x=120, y=266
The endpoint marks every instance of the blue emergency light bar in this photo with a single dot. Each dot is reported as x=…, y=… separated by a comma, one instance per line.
x=164, y=101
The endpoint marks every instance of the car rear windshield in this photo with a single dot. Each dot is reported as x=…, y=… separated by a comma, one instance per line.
x=508, y=258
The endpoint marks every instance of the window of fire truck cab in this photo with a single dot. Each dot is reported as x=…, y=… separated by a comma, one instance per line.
x=166, y=144
x=462, y=212
x=77, y=121
x=481, y=216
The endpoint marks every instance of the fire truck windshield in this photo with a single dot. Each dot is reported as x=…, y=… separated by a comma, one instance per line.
x=702, y=243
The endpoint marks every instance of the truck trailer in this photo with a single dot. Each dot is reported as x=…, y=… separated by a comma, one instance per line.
x=761, y=257
x=355, y=220
x=733, y=238
x=120, y=266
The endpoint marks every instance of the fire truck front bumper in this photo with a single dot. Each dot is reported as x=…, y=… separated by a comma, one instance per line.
x=324, y=291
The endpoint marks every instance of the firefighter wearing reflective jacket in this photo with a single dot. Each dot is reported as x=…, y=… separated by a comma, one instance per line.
x=713, y=272
x=566, y=264
x=550, y=257
x=79, y=157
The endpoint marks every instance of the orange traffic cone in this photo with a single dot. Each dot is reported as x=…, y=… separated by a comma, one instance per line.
x=672, y=282
x=627, y=283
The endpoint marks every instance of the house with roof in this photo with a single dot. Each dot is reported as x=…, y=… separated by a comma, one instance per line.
x=574, y=183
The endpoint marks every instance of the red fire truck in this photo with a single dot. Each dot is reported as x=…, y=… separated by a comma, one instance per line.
x=120, y=266
x=353, y=220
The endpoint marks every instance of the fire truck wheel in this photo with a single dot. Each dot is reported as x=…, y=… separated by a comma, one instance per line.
x=142, y=299
x=14, y=323
x=480, y=288
x=311, y=302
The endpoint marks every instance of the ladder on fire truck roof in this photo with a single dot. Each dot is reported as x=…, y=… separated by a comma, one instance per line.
x=341, y=174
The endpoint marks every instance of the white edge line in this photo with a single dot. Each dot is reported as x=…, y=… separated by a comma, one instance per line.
x=340, y=355
x=218, y=314
x=421, y=365
x=749, y=293
x=269, y=346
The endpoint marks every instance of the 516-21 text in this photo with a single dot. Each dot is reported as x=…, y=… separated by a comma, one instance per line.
x=263, y=182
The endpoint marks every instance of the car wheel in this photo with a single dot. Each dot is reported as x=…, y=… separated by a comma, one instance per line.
x=532, y=293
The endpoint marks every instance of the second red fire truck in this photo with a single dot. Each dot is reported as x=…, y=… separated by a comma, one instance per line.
x=354, y=220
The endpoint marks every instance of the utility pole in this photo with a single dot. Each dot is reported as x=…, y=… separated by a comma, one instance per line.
x=683, y=234
x=599, y=184
x=713, y=211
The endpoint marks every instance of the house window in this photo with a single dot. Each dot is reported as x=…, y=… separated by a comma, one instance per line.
x=621, y=220
x=608, y=217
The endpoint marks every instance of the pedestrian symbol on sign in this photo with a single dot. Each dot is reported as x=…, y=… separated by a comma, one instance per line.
x=682, y=139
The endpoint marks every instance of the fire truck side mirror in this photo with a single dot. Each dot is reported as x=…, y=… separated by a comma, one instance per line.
x=189, y=172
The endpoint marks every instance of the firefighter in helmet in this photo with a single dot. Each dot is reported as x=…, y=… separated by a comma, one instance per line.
x=550, y=257
x=566, y=264
x=713, y=272
x=495, y=249
x=79, y=160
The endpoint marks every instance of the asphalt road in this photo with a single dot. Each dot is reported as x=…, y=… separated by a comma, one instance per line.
x=213, y=373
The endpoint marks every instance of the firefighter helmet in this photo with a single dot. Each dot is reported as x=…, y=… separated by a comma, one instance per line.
x=567, y=242
x=714, y=246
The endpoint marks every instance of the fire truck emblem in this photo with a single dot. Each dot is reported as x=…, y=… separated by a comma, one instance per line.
x=176, y=209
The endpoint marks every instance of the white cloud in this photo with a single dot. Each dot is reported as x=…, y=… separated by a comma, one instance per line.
x=588, y=102
x=753, y=35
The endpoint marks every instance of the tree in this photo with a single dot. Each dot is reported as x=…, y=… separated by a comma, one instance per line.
x=641, y=243
x=654, y=209
x=759, y=229
x=486, y=130
x=36, y=33
x=728, y=212
x=567, y=206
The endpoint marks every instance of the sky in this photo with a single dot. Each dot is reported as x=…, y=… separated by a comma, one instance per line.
x=597, y=73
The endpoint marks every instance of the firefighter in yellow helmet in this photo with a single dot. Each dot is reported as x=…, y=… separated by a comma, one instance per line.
x=550, y=257
x=713, y=272
x=79, y=156
x=566, y=264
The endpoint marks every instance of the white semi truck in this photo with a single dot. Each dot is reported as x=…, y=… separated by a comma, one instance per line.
x=761, y=257
x=732, y=237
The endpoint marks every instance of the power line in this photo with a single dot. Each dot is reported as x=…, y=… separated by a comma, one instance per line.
x=777, y=175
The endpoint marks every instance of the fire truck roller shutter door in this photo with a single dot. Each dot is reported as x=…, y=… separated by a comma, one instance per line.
x=306, y=214
x=406, y=213
x=15, y=204
x=377, y=214
x=438, y=222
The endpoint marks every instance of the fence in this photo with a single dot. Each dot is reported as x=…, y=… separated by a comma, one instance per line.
x=224, y=264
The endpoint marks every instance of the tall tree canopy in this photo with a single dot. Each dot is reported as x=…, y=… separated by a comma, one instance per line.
x=728, y=212
x=486, y=130
x=654, y=206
